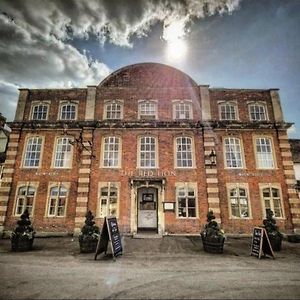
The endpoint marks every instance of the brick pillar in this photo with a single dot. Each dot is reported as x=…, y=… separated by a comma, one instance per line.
x=8, y=173
x=83, y=181
x=211, y=176
x=290, y=180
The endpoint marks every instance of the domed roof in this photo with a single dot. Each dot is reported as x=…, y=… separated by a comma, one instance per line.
x=152, y=75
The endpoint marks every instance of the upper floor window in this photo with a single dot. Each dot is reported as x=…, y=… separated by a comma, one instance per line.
x=63, y=153
x=258, y=112
x=25, y=198
x=239, y=203
x=57, y=201
x=184, y=152
x=108, y=204
x=111, y=151
x=264, y=153
x=233, y=153
x=272, y=200
x=147, y=110
x=228, y=111
x=39, y=111
x=33, y=152
x=182, y=110
x=113, y=110
x=147, y=152
x=68, y=111
x=186, y=201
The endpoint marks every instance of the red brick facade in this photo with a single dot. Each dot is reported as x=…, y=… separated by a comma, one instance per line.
x=207, y=186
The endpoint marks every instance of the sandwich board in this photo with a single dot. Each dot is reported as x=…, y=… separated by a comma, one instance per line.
x=109, y=234
x=261, y=243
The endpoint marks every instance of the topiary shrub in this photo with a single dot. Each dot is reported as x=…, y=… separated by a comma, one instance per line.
x=212, y=236
x=89, y=235
x=23, y=235
x=275, y=236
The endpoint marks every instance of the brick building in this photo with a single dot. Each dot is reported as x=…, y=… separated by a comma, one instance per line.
x=141, y=146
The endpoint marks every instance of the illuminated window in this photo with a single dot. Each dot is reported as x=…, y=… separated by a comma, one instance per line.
x=271, y=198
x=233, y=153
x=25, y=198
x=257, y=112
x=68, y=111
x=184, y=152
x=39, y=112
x=186, y=202
x=33, y=152
x=63, y=153
x=147, y=152
x=182, y=110
x=113, y=110
x=239, y=203
x=57, y=201
x=228, y=111
x=111, y=151
x=147, y=110
x=264, y=153
x=108, y=201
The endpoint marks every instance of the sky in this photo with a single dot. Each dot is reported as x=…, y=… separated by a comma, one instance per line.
x=223, y=43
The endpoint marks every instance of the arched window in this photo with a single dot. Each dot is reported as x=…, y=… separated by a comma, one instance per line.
x=147, y=110
x=33, y=152
x=186, y=201
x=272, y=200
x=40, y=112
x=258, y=112
x=108, y=201
x=25, y=198
x=239, y=203
x=228, y=111
x=63, y=153
x=233, y=153
x=111, y=151
x=182, y=110
x=57, y=201
x=184, y=152
x=113, y=110
x=68, y=111
x=147, y=152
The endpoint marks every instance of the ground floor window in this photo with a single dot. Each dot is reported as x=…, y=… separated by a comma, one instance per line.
x=239, y=202
x=25, y=199
x=272, y=200
x=186, y=201
x=108, y=202
x=57, y=201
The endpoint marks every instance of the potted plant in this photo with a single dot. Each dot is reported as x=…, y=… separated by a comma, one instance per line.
x=275, y=236
x=212, y=236
x=23, y=235
x=89, y=235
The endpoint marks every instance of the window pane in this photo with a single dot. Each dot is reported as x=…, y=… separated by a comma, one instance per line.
x=184, y=152
x=33, y=152
x=111, y=152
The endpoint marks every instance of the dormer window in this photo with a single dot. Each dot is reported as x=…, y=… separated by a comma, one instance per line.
x=39, y=111
x=147, y=110
x=228, y=111
x=182, y=110
x=113, y=110
x=68, y=111
x=258, y=112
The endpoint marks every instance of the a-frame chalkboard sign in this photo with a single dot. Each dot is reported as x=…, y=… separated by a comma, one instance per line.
x=109, y=233
x=261, y=243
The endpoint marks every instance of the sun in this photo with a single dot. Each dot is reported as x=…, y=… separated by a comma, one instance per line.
x=176, y=50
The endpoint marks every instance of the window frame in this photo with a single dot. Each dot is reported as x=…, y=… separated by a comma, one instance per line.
x=255, y=137
x=150, y=101
x=258, y=104
x=139, y=152
x=53, y=185
x=20, y=185
x=57, y=138
x=108, y=185
x=36, y=104
x=228, y=103
x=67, y=102
x=119, y=165
x=185, y=102
x=109, y=102
x=28, y=137
x=277, y=186
x=244, y=186
x=192, y=151
x=242, y=154
x=186, y=186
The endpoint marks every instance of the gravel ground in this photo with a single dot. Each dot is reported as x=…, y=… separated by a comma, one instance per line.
x=164, y=268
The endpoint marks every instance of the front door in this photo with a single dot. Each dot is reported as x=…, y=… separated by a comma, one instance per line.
x=147, y=208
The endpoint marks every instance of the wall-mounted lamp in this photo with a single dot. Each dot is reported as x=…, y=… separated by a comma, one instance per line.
x=213, y=158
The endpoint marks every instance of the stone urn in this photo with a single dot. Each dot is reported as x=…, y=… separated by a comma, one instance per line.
x=275, y=236
x=89, y=235
x=23, y=235
x=212, y=236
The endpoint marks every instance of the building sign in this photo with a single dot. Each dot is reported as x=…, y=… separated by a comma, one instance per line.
x=147, y=173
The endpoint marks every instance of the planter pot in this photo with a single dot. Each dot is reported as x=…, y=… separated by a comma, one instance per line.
x=293, y=238
x=213, y=245
x=21, y=243
x=88, y=245
x=275, y=241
